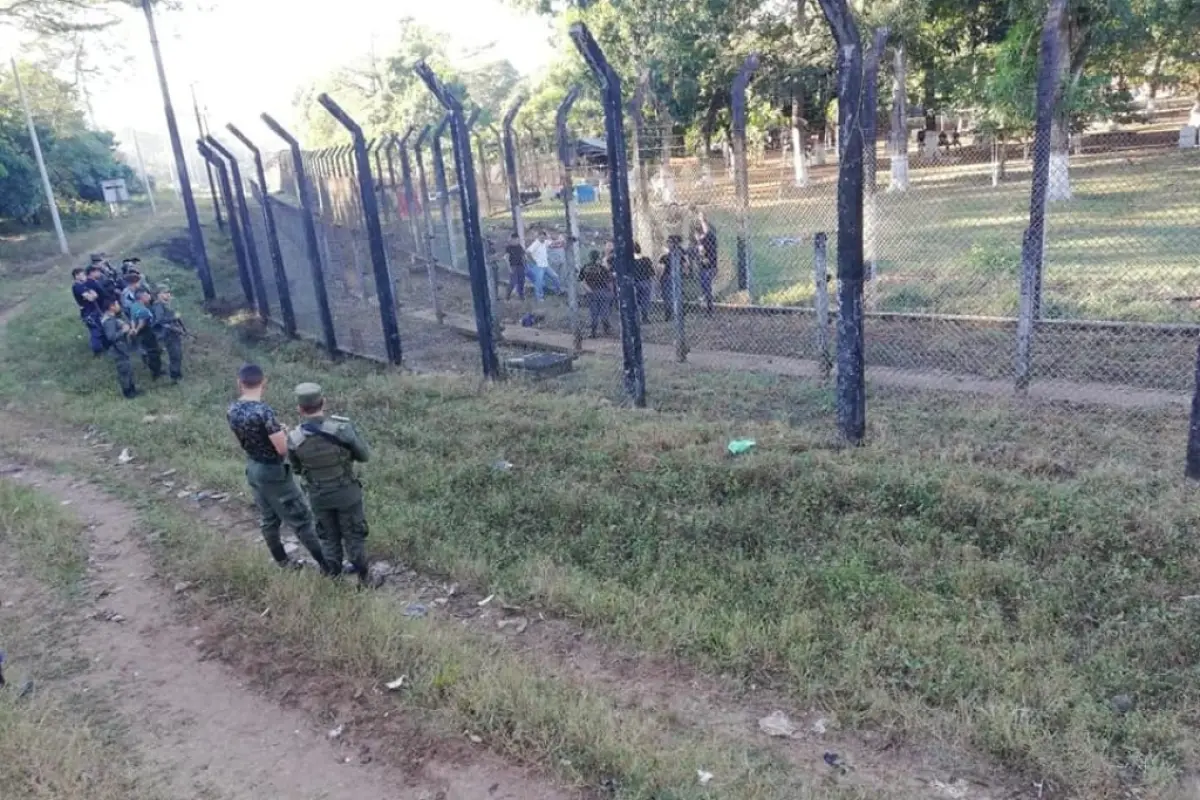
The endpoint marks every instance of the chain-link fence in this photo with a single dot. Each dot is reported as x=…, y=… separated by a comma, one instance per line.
x=736, y=251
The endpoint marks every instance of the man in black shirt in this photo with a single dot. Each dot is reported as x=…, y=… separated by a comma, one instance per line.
x=643, y=281
x=516, y=267
x=598, y=278
x=276, y=491
x=87, y=297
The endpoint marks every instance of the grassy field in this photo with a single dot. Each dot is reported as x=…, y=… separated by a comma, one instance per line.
x=984, y=572
x=1120, y=250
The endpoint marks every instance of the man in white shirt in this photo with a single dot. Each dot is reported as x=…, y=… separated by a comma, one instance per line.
x=539, y=251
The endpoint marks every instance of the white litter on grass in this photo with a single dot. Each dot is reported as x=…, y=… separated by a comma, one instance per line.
x=337, y=732
x=396, y=684
x=125, y=457
x=777, y=724
x=955, y=791
x=820, y=726
x=486, y=600
x=704, y=777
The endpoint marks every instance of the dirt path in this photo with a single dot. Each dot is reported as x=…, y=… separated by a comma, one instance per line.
x=194, y=720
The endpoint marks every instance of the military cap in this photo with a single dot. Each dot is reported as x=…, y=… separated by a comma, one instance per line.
x=309, y=394
x=97, y=258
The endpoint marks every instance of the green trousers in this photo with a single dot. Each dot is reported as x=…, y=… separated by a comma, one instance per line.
x=280, y=500
x=342, y=527
x=124, y=370
x=173, y=343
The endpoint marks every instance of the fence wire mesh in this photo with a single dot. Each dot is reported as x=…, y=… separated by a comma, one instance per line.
x=737, y=264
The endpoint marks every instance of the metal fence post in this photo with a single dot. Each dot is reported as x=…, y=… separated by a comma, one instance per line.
x=483, y=173
x=243, y=212
x=423, y=187
x=675, y=264
x=202, y=129
x=443, y=189
x=370, y=208
x=510, y=169
x=631, y=334
x=566, y=159
x=493, y=281
x=281, y=282
x=851, y=377
x=410, y=200
x=304, y=189
x=235, y=228
x=1034, y=242
x=821, y=286
x=469, y=201
x=741, y=171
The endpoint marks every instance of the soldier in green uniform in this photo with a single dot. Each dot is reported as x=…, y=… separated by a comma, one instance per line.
x=324, y=449
x=168, y=327
x=117, y=331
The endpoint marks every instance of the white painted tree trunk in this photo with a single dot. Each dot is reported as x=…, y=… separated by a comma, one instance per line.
x=799, y=159
x=898, y=178
x=1058, y=188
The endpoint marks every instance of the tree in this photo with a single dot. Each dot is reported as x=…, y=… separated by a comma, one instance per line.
x=57, y=17
x=77, y=158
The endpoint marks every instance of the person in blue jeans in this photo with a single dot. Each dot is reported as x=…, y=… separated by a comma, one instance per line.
x=706, y=255
x=598, y=278
x=539, y=252
x=643, y=281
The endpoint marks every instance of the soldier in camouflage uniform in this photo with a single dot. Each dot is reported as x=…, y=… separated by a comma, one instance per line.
x=168, y=328
x=324, y=449
x=116, y=331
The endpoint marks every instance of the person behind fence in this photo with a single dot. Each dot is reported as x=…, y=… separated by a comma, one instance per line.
x=539, y=251
x=516, y=267
x=87, y=296
x=272, y=483
x=142, y=320
x=666, y=283
x=117, y=332
x=643, y=281
x=706, y=258
x=323, y=450
x=598, y=278
x=169, y=330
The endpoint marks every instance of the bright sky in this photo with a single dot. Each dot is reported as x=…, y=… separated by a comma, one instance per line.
x=250, y=56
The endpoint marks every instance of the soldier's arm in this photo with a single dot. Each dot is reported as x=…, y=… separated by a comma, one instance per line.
x=358, y=448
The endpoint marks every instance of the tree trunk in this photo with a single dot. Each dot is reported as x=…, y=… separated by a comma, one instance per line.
x=899, y=132
x=799, y=139
x=1155, y=72
x=1058, y=188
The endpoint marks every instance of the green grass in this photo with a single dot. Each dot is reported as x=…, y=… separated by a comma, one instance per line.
x=44, y=535
x=986, y=571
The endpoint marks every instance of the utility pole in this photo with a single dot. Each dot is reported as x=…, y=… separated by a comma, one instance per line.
x=41, y=162
x=212, y=184
x=137, y=148
x=199, y=255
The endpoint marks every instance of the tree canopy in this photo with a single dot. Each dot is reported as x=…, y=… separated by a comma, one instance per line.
x=978, y=56
x=77, y=157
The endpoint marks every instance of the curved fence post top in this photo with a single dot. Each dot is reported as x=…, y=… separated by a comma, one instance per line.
x=440, y=128
x=747, y=70
x=439, y=91
x=219, y=148
x=403, y=140
x=422, y=137
x=560, y=123
x=278, y=130
x=330, y=105
x=471, y=120
x=241, y=137
x=514, y=109
x=587, y=46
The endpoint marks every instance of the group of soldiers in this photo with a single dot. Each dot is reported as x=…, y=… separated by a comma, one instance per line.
x=125, y=313
x=323, y=449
